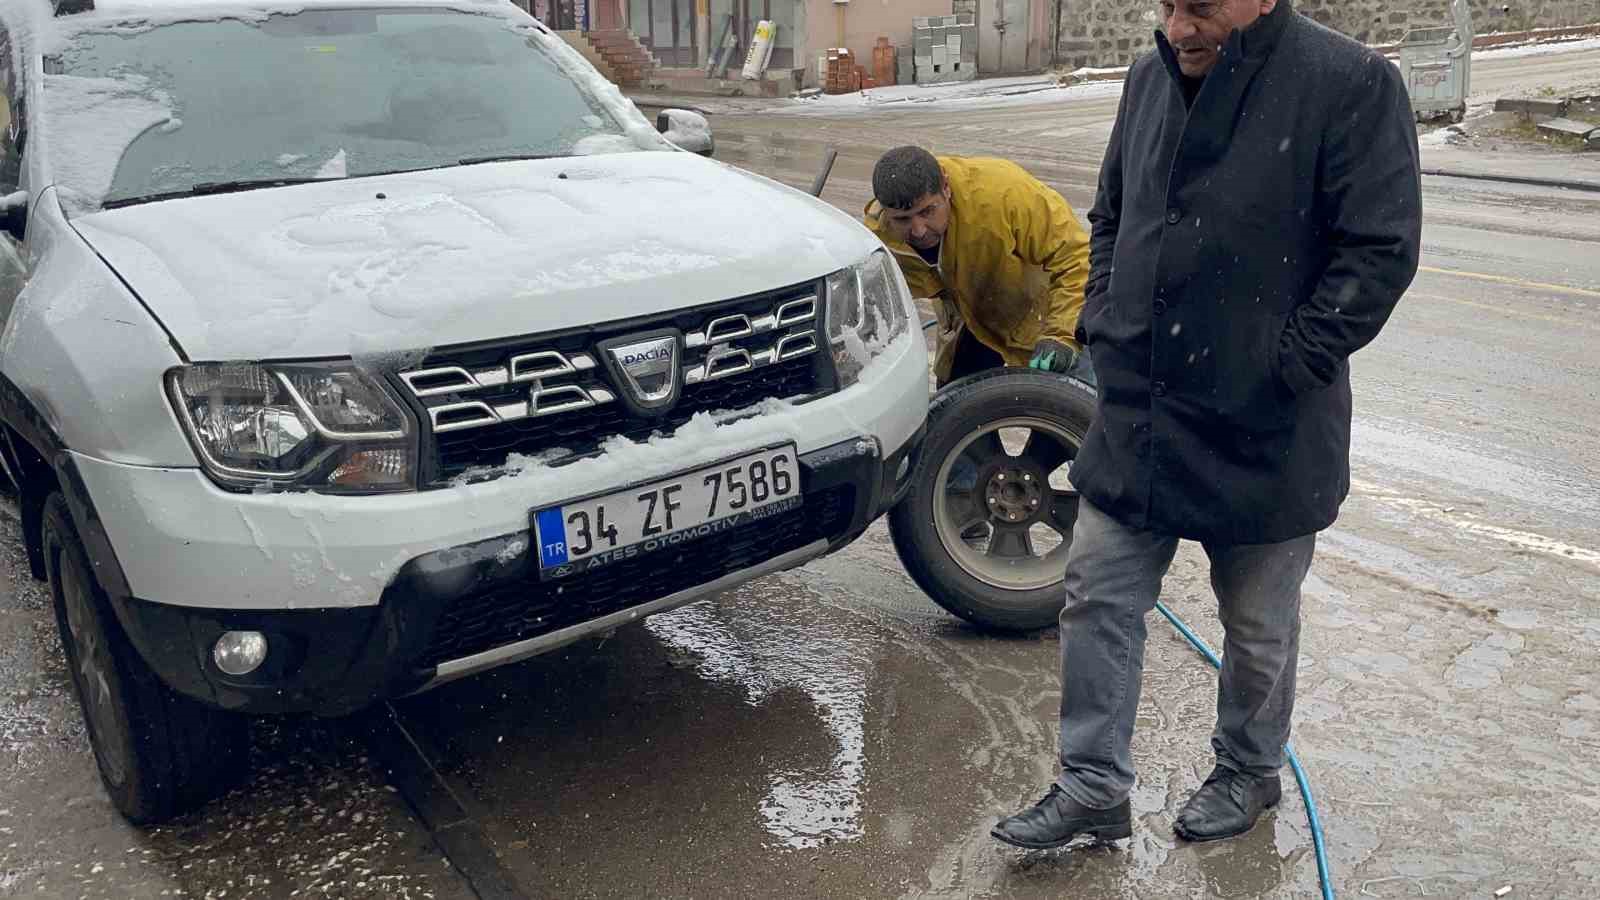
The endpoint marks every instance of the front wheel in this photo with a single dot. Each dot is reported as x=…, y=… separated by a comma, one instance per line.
x=987, y=525
x=159, y=753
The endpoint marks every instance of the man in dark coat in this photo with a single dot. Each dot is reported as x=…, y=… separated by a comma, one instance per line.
x=1258, y=218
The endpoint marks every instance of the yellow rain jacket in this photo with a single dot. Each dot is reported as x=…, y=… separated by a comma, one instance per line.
x=1012, y=265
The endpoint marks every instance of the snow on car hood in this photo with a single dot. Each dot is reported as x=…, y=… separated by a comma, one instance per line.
x=400, y=263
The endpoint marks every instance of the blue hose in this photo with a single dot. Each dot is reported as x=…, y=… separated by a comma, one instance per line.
x=1294, y=762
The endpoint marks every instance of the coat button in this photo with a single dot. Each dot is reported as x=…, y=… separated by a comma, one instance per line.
x=1174, y=216
x=1159, y=388
x=1160, y=307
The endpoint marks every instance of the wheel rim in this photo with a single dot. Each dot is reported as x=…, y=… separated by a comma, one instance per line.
x=1002, y=505
x=95, y=672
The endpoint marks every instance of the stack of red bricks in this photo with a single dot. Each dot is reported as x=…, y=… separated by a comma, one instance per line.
x=844, y=76
x=883, y=64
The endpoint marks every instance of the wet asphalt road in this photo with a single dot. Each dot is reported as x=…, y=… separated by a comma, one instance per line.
x=828, y=732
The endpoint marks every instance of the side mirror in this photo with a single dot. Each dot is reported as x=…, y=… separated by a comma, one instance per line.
x=14, y=213
x=687, y=129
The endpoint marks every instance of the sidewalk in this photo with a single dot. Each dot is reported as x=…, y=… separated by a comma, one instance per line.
x=1554, y=168
x=1481, y=154
x=1023, y=90
x=991, y=89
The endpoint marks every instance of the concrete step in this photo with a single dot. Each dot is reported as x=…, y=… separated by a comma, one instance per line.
x=617, y=55
x=634, y=69
x=614, y=41
x=577, y=41
x=626, y=53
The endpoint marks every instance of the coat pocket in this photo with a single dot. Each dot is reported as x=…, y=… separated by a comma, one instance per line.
x=1249, y=393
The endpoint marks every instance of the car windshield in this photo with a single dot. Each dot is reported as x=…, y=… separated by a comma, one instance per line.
x=141, y=114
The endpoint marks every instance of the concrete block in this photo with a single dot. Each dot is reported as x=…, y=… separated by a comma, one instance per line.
x=952, y=43
x=1569, y=128
x=1533, y=106
x=941, y=56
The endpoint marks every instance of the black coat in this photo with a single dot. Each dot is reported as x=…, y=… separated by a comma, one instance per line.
x=1241, y=251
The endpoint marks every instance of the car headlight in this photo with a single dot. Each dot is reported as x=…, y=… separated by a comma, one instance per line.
x=319, y=427
x=869, y=308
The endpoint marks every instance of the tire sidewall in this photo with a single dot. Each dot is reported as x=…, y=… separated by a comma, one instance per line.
x=63, y=548
x=959, y=409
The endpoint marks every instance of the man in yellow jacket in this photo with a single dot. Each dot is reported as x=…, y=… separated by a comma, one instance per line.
x=1000, y=254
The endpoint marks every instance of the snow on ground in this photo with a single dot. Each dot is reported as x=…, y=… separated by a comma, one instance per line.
x=989, y=94
x=1442, y=137
x=1025, y=91
x=1547, y=48
x=1091, y=72
x=1022, y=91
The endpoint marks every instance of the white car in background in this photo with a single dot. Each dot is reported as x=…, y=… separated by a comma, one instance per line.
x=354, y=346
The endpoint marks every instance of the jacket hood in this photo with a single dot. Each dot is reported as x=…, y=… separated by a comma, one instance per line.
x=408, y=262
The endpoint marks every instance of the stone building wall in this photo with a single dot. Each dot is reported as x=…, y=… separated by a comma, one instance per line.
x=1115, y=32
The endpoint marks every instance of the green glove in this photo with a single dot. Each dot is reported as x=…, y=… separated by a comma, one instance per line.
x=1053, y=356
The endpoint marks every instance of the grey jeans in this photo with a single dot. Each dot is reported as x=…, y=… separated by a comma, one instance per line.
x=1113, y=580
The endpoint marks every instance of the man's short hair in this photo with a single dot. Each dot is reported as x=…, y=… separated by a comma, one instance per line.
x=905, y=175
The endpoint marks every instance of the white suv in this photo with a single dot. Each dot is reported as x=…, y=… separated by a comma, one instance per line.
x=360, y=346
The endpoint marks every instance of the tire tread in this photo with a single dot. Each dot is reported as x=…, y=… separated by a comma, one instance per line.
x=185, y=753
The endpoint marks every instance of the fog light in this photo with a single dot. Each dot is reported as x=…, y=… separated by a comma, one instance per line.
x=240, y=652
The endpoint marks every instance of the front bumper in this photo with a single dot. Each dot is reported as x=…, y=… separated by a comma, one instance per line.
x=452, y=612
x=357, y=590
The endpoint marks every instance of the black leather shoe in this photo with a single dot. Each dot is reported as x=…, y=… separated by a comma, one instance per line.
x=1227, y=804
x=1055, y=820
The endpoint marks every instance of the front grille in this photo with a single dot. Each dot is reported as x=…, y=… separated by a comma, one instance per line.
x=482, y=403
x=581, y=431
x=532, y=608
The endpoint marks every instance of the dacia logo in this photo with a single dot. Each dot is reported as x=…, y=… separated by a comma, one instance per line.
x=654, y=353
x=648, y=369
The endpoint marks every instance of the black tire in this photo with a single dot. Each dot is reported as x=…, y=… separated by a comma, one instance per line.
x=159, y=753
x=959, y=410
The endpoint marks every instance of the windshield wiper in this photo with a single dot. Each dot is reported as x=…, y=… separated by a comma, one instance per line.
x=509, y=157
x=228, y=187
x=211, y=187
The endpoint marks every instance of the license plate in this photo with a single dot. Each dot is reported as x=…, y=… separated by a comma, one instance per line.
x=583, y=535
